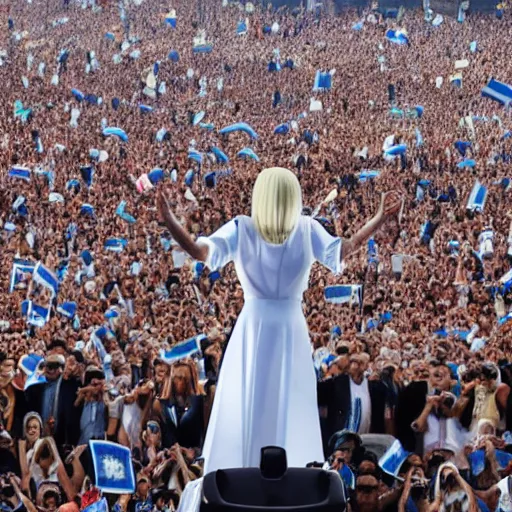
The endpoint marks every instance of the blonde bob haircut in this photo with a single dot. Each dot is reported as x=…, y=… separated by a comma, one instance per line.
x=276, y=204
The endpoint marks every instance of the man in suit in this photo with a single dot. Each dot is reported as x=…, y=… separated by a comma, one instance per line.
x=419, y=400
x=350, y=401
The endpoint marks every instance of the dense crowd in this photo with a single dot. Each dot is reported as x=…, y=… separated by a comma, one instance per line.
x=421, y=352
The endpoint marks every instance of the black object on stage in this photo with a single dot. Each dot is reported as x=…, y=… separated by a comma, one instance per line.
x=273, y=487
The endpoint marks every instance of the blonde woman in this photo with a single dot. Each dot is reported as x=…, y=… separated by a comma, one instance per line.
x=266, y=393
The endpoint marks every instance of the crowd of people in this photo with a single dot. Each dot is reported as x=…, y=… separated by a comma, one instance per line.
x=103, y=104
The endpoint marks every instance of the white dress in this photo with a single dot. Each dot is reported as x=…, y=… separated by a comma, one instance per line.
x=266, y=392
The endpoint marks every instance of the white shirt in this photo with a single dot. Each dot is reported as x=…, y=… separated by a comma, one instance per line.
x=362, y=392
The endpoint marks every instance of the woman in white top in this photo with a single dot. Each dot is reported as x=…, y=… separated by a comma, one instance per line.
x=266, y=392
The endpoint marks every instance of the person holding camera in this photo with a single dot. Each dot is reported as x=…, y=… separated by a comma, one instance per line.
x=484, y=397
x=424, y=413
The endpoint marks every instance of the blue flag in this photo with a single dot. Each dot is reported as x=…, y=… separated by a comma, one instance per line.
x=113, y=467
x=183, y=349
x=392, y=460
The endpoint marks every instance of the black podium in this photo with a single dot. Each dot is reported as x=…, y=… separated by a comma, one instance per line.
x=273, y=488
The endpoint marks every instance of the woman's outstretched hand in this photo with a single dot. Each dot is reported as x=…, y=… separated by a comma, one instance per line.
x=162, y=204
x=389, y=205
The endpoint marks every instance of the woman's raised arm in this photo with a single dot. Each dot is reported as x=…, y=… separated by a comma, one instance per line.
x=389, y=206
x=197, y=251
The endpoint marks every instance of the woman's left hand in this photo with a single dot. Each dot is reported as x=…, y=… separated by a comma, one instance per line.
x=390, y=205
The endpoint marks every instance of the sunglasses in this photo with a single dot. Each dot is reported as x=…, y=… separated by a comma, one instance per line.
x=53, y=366
x=366, y=489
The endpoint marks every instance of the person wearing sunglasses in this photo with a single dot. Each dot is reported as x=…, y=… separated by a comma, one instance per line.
x=44, y=398
x=366, y=496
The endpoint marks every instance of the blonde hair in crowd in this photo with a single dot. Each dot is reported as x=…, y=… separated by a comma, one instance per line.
x=276, y=204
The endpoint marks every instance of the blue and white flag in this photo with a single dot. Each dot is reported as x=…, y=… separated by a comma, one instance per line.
x=392, y=460
x=203, y=48
x=37, y=315
x=113, y=467
x=343, y=294
x=79, y=96
x=73, y=185
x=160, y=135
x=87, y=173
x=239, y=127
x=195, y=155
x=170, y=18
x=241, y=28
x=87, y=210
x=477, y=198
x=98, y=506
x=419, y=138
x=220, y=156
x=45, y=277
x=67, y=309
x=397, y=149
x=145, y=109
x=477, y=462
x=498, y=91
x=22, y=271
x=373, y=252
x=116, y=132
x=97, y=338
x=502, y=321
x=323, y=81
x=368, y=175
x=189, y=177
x=210, y=179
x=198, y=117
x=22, y=173
x=467, y=163
x=473, y=46
x=397, y=36
x=248, y=153
x=183, y=350
x=174, y=56
x=282, y=129
x=37, y=376
x=115, y=244
x=506, y=281
x=454, y=247
x=120, y=211
x=462, y=147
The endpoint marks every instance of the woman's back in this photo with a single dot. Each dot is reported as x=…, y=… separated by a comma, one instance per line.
x=270, y=271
